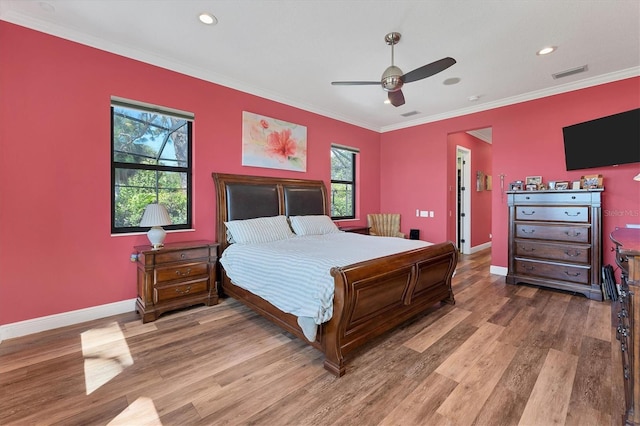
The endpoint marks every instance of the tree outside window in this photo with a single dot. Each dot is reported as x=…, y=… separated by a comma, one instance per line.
x=343, y=183
x=150, y=162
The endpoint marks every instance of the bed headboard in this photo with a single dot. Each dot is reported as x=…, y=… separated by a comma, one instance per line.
x=247, y=197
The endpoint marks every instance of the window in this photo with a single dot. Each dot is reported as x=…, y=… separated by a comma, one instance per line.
x=343, y=182
x=150, y=162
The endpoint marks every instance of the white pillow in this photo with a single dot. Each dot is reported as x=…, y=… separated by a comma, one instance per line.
x=259, y=230
x=313, y=225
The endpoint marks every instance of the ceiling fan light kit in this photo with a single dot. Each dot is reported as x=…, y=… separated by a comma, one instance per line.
x=393, y=78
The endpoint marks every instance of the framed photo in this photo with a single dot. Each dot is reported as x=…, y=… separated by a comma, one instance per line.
x=591, y=181
x=532, y=186
x=575, y=184
x=562, y=185
x=516, y=186
x=533, y=180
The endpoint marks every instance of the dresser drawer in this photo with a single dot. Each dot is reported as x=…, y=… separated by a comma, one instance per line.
x=182, y=289
x=553, y=198
x=553, y=251
x=572, y=273
x=553, y=213
x=571, y=234
x=182, y=255
x=181, y=272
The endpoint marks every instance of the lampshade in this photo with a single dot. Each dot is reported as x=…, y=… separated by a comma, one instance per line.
x=155, y=216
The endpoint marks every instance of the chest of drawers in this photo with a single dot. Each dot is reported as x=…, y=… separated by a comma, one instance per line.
x=627, y=310
x=555, y=240
x=175, y=276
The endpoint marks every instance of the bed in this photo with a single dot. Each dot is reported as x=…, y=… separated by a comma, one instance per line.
x=369, y=298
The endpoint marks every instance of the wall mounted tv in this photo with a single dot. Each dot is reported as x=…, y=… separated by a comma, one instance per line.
x=606, y=141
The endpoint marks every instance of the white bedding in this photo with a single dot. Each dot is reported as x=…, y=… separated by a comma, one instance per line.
x=293, y=274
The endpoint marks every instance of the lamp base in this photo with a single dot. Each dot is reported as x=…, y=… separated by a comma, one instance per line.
x=156, y=237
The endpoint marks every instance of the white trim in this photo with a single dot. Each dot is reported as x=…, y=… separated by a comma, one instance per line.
x=36, y=325
x=476, y=249
x=498, y=270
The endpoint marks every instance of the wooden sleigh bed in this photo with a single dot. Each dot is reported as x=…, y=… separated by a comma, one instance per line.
x=370, y=297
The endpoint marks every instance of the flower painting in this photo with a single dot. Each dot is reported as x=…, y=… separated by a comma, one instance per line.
x=271, y=143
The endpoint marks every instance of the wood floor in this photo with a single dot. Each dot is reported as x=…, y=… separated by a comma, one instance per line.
x=503, y=355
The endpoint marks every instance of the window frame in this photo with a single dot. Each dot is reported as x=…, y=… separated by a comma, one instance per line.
x=188, y=170
x=352, y=181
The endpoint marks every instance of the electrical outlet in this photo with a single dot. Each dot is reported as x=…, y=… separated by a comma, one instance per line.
x=430, y=213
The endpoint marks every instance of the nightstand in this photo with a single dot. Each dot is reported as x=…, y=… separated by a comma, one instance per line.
x=355, y=229
x=175, y=276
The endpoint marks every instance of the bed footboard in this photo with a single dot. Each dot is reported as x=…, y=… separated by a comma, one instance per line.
x=375, y=296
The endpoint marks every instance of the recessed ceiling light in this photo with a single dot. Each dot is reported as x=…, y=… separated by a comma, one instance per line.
x=207, y=18
x=450, y=81
x=473, y=98
x=546, y=50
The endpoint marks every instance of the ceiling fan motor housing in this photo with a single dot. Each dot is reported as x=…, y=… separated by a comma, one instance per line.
x=392, y=79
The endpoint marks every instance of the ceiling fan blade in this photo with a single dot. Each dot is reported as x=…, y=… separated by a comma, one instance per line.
x=354, y=83
x=396, y=98
x=428, y=70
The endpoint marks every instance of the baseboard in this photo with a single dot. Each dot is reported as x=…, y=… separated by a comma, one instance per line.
x=480, y=247
x=498, y=270
x=36, y=325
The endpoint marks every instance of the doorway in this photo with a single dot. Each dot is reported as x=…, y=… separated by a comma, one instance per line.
x=463, y=199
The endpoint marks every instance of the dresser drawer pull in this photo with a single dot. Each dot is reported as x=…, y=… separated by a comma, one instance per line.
x=529, y=214
x=183, y=274
x=529, y=268
x=577, y=274
x=182, y=255
x=576, y=253
x=574, y=234
x=526, y=231
x=185, y=291
x=524, y=248
x=572, y=215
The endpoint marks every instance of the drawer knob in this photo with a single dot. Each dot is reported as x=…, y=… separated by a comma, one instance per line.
x=185, y=291
x=572, y=215
x=183, y=274
x=182, y=255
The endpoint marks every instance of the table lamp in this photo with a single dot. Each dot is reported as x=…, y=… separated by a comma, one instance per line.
x=155, y=216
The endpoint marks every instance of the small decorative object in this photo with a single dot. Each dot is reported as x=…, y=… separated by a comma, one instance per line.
x=533, y=180
x=516, y=185
x=552, y=184
x=275, y=144
x=532, y=186
x=561, y=185
x=575, y=184
x=479, y=181
x=488, y=183
x=591, y=181
x=155, y=216
x=542, y=187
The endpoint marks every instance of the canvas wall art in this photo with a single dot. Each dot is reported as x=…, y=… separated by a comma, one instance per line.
x=274, y=144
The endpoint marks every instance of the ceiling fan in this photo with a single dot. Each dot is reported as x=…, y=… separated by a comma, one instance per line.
x=393, y=79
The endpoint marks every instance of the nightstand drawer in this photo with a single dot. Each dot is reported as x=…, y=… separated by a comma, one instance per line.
x=182, y=289
x=181, y=272
x=182, y=255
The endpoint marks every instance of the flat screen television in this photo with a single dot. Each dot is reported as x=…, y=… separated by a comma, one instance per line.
x=606, y=141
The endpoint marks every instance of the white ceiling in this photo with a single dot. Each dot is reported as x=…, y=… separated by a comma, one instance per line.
x=290, y=51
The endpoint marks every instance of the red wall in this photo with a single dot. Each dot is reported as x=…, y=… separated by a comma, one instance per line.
x=527, y=141
x=481, y=161
x=56, y=251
